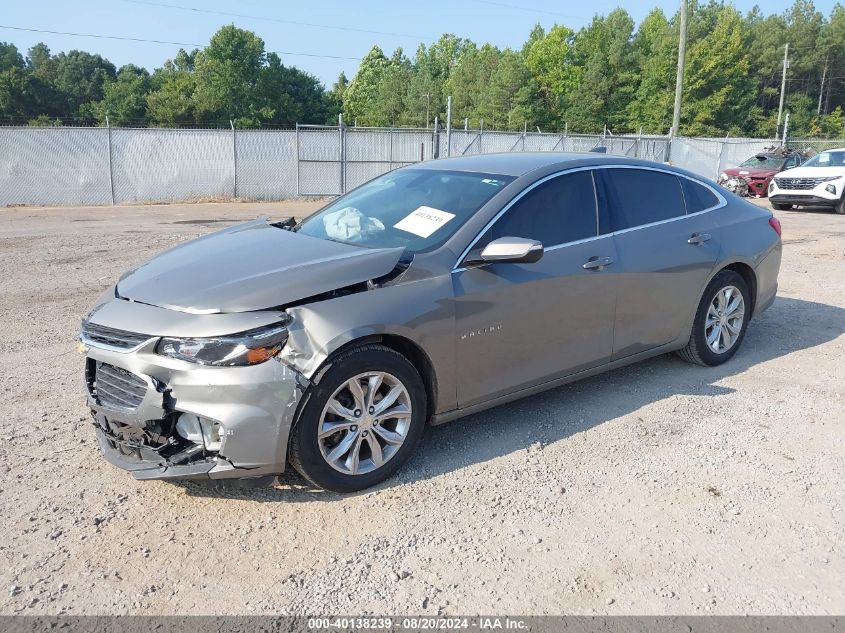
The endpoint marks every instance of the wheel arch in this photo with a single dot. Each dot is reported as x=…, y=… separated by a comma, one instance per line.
x=744, y=268
x=403, y=345
x=748, y=275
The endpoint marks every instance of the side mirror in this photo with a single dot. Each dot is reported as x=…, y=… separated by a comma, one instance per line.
x=510, y=250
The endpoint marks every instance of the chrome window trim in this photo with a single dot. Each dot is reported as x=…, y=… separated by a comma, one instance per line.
x=522, y=193
x=722, y=203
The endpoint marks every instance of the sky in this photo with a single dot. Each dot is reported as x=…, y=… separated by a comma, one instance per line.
x=329, y=35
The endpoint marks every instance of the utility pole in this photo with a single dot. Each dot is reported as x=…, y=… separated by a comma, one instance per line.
x=821, y=88
x=679, y=81
x=785, y=129
x=783, y=83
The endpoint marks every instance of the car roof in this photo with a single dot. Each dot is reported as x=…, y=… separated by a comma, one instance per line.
x=519, y=163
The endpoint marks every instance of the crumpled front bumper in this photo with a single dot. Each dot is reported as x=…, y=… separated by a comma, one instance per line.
x=255, y=405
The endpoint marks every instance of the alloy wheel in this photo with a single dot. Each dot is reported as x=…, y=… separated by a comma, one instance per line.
x=725, y=318
x=364, y=423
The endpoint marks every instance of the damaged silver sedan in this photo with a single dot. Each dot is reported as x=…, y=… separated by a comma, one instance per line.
x=429, y=293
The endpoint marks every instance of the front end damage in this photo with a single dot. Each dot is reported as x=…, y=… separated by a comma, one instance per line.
x=162, y=418
x=160, y=410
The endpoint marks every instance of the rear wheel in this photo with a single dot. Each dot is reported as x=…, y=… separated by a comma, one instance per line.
x=720, y=322
x=360, y=420
x=781, y=207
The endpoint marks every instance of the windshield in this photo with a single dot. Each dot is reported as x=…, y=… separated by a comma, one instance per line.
x=764, y=161
x=417, y=209
x=826, y=159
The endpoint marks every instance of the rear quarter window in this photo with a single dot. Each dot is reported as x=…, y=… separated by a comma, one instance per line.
x=697, y=196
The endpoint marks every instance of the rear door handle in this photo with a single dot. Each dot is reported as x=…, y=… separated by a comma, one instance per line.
x=698, y=238
x=597, y=263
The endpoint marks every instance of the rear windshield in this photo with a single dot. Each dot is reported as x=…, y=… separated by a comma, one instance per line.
x=417, y=209
x=826, y=159
x=763, y=161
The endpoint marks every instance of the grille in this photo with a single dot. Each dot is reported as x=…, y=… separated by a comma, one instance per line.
x=116, y=387
x=799, y=183
x=111, y=337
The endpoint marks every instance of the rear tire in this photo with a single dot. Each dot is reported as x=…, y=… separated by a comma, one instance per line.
x=717, y=330
x=781, y=207
x=365, y=449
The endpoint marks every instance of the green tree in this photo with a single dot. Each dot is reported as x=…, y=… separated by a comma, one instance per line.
x=469, y=78
x=832, y=48
x=171, y=102
x=19, y=96
x=10, y=57
x=833, y=125
x=287, y=95
x=607, y=83
x=227, y=75
x=124, y=101
x=392, y=92
x=362, y=92
x=655, y=47
x=548, y=58
x=75, y=78
x=717, y=95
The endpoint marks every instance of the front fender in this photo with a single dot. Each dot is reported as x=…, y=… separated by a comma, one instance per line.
x=420, y=311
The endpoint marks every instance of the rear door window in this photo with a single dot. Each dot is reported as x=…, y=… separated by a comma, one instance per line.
x=641, y=196
x=697, y=196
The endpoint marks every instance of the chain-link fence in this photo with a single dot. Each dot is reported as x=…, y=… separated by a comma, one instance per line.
x=708, y=157
x=815, y=144
x=96, y=166
x=468, y=142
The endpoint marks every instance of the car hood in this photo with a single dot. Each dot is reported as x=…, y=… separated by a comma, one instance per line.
x=753, y=172
x=251, y=266
x=813, y=172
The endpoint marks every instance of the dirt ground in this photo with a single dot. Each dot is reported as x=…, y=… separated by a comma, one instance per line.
x=661, y=488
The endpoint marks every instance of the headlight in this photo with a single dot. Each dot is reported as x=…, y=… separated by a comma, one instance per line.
x=246, y=348
x=830, y=189
x=772, y=186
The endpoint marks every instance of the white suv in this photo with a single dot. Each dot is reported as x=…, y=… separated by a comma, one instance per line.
x=820, y=182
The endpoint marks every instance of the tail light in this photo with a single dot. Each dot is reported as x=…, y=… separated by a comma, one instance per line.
x=775, y=224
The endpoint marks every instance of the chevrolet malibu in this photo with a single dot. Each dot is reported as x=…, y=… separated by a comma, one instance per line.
x=432, y=292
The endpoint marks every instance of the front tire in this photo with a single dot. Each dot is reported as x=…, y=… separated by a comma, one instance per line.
x=360, y=420
x=840, y=206
x=720, y=321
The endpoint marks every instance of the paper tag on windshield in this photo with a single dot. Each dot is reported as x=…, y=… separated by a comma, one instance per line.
x=423, y=221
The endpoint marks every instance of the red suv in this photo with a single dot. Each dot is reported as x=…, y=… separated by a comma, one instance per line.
x=757, y=172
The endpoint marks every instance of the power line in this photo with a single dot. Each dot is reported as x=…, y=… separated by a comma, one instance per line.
x=281, y=21
x=149, y=41
x=530, y=9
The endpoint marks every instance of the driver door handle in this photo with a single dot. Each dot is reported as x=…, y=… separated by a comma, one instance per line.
x=597, y=263
x=698, y=238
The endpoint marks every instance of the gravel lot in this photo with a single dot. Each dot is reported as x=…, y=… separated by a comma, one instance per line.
x=661, y=488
